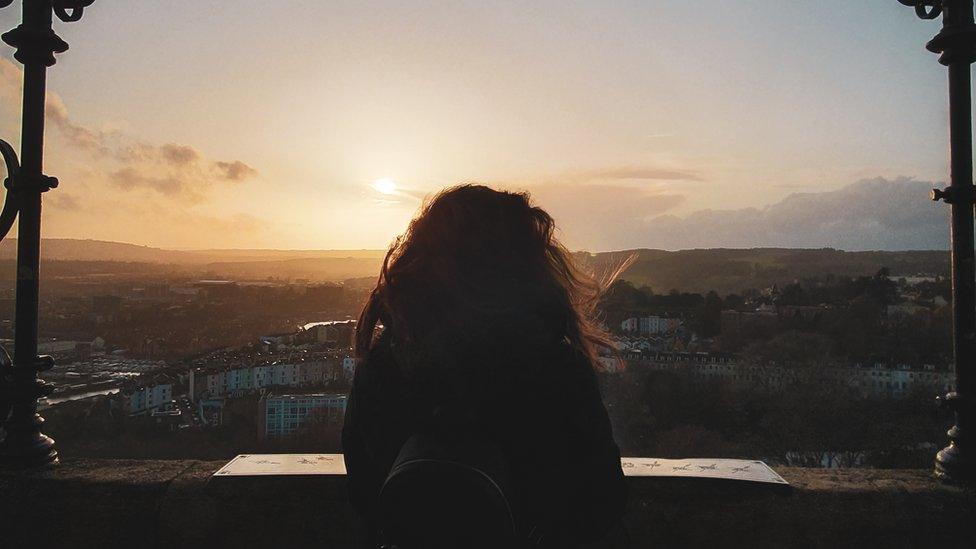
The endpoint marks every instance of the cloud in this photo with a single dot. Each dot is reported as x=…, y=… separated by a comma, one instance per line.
x=235, y=171
x=170, y=170
x=871, y=214
x=179, y=155
x=77, y=136
x=11, y=87
x=130, y=178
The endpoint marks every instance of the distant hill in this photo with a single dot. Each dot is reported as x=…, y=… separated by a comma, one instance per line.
x=312, y=268
x=283, y=255
x=68, y=249
x=724, y=270
x=734, y=270
x=98, y=256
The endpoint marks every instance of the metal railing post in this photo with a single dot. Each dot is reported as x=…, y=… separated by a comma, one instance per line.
x=956, y=44
x=23, y=444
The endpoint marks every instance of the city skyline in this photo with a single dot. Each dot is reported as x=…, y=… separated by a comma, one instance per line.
x=202, y=128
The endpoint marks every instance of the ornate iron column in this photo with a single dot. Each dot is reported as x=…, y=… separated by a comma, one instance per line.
x=23, y=444
x=956, y=44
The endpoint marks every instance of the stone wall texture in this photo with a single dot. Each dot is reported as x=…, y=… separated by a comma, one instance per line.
x=134, y=503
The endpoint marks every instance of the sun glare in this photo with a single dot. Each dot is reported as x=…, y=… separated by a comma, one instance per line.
x=385, y=186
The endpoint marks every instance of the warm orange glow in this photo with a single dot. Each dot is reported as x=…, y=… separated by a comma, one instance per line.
x=363, y=112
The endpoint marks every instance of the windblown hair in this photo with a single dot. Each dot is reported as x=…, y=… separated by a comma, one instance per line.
x=473, y=257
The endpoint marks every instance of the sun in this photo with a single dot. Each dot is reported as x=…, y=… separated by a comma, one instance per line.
x=385, y=186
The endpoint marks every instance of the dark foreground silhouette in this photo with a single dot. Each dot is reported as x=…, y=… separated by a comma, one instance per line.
x=487, y=343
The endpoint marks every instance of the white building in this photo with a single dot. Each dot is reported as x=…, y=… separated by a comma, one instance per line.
x=349, y=367
x=647, y=325
x=336, y=333
x=251, y=378
x=286, y=414
x=876, y=380
x=284, y=375
x=150, y=398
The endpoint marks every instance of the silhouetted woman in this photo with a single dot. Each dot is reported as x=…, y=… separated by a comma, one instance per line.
x=486, y=326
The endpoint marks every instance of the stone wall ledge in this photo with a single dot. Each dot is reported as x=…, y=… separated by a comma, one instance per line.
x=146, y=503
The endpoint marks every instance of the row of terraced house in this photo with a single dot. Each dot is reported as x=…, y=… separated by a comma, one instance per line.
x=874, y=380
x=312, y=372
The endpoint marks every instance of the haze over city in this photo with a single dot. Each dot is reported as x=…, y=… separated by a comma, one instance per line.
x=207, y=127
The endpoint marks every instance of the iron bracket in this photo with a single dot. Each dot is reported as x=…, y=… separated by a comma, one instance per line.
x=955, y=195
x=26, y=182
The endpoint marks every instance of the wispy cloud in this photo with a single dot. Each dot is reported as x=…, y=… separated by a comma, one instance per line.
x=129, y=178
x=76, y=135
x=178, y=155
x=640, y=173
x=235, y=171
x=170, y=170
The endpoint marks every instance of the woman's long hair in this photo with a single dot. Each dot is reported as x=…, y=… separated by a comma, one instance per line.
x=473, y=257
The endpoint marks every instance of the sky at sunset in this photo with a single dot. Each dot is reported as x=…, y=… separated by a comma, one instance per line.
x=300, y=124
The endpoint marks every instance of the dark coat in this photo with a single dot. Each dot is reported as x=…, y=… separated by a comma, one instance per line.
x=537, y=398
